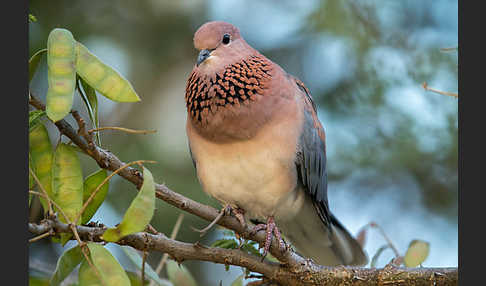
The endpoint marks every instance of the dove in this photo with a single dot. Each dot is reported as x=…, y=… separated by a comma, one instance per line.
x=259, y=148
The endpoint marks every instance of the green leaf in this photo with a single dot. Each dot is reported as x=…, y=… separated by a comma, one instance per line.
x=110, y=270
x=38, y=281
x=32, y=18
x=102, y=77
x=238, y=281
x=87, y=276
x=179, y=275
x=34, y=118
x=90, y=184
x=252, y=248
x=41, y=153
x=149, y=272
x=91, y=101
x=61, y=73
x=66, y=264
x=67, y=181
x=417, y=252
x=139, y=214
x=377, y=255
x=34, y=62
x=225, y=243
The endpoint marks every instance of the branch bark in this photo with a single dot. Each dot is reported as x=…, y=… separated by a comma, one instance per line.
x=293, y=269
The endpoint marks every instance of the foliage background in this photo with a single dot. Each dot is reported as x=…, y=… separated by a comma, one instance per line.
x=392, y=147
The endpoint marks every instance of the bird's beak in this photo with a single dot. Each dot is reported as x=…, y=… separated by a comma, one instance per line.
x=203, y=55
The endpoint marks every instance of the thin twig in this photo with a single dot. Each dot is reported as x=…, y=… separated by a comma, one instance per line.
x=39, y=237
x=82, y=127
x=388, y=240
x=53, y=202
x=151, y=229
x=85, y=205
x=426, y=87
x=216, y=220
x=452, y=49
x=173, y=235
x=127, y=130
x=43, y=190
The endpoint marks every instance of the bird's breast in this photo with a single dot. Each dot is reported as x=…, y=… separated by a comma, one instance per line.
x=257, y=174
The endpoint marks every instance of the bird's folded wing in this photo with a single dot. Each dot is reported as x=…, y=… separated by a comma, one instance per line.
x=311, y=156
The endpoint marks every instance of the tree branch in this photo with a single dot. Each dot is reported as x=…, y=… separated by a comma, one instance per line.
x=306, y=274
x=293, y=270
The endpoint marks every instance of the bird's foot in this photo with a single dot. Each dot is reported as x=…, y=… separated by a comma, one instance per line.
x=270, y=228
x=239, y=213
x=226, y=210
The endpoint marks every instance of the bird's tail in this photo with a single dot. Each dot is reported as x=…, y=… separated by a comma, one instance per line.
x=345, y=245
x=313, y=239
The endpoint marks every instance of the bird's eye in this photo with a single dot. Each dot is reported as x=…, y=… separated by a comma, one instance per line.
x=226, y=39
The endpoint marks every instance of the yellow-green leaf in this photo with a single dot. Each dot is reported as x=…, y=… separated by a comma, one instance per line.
x=140, y=212
x=111, y=271
x=38, y=281
x=90, y=184
x=41, y=153
x=87, y=275
x=34, y=118
x=67, y=181
x=66, y=264
x=417, y=252
x=179, y=275
x=61, y=73
x=102, y=77
x=34, y=62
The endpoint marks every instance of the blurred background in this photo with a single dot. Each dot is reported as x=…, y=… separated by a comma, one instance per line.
x=392, y=147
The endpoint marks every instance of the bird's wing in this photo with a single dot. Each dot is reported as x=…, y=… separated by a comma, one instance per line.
x=311, y=156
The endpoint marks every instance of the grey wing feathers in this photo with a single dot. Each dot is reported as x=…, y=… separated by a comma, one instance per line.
x=311, y=159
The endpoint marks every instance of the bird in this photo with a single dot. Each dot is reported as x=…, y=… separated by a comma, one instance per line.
x=259, y=148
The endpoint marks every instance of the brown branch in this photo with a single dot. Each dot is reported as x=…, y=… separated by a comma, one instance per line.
x=293, y=270
x=306, y=274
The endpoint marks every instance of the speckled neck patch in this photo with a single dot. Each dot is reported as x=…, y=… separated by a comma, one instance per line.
x=238, y=84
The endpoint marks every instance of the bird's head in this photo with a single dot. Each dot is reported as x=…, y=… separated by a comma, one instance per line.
x=227, y=80
x=220, y=44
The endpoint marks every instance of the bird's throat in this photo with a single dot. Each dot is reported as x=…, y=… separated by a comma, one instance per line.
x=237, y=85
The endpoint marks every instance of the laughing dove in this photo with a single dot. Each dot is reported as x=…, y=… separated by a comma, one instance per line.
x=259, y=148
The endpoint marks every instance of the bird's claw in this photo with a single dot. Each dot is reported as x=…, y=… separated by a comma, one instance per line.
x=226, y=210
x=270, y=228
